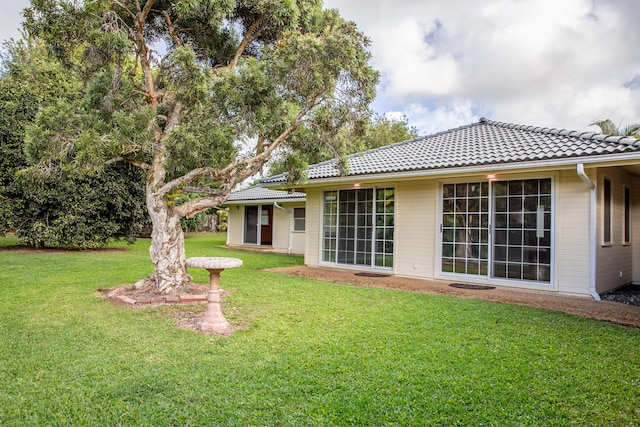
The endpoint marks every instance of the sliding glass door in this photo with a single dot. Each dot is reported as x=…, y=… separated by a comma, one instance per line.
x=519, y=248
x=358, y=227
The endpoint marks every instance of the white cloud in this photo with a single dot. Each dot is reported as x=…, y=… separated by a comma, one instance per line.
x=444, y=63
x=540, y=62
x=11, y=18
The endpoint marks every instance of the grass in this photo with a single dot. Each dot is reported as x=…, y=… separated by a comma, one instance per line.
x=311, y=353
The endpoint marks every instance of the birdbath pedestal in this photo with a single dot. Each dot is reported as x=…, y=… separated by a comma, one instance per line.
x=213, y=320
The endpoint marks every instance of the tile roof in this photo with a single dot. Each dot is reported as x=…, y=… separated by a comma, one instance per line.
x=264, y=194
x=484, y=143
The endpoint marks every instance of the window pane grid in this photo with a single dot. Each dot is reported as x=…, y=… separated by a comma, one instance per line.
x=522, y=230
x=358, y=227
x=465, y=237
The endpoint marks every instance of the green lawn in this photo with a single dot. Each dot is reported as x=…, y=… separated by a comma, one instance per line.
x=310, y=353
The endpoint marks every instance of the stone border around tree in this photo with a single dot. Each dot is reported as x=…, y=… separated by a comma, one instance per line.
x=159, y=300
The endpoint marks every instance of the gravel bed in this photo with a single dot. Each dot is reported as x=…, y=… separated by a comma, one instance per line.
x=629, y=294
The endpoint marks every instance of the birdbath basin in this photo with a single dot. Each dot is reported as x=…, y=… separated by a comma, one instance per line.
x=213, y=320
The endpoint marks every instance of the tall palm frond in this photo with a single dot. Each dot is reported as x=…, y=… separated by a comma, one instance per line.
x=609, y=128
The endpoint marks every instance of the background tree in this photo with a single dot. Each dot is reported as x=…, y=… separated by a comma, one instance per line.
x=367, y=134
x=239, y=79
x=608, y=127
x=71, y=207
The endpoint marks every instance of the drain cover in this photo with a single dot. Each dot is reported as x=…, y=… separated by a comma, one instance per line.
x=367, y=274
x=469, y=286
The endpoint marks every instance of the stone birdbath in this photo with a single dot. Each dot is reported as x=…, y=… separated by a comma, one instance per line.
x=213, y=320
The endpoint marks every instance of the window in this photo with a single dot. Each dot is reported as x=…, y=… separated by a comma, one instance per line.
x=358, y=227
x=522, y=230
x=627, y=215
x=606, y=225
x=299, y=219
x=465, y=228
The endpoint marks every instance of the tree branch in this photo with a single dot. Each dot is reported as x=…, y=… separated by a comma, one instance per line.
x=171, y=28
x=201, y=204
x=142, y=165
x=117, y=3
x=183, y=180
x=252, y=33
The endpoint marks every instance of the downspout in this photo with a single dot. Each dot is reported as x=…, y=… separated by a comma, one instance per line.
x=592, y=229
x=289, y=234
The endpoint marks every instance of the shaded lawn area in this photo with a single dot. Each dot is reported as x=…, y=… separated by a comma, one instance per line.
x=311, y=353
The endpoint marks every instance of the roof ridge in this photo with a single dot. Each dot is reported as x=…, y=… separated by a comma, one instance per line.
x=585, y=135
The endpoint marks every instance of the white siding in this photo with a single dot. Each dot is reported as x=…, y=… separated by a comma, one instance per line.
x=234, y=225
x=613, y=260
x=635, y=227
x=416, y=218
x=298, y=238
x=572, y=204
x=314, y=227
x=280, y=230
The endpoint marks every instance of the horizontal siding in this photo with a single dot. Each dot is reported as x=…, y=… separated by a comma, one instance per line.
x=573, y=201
x=314, y=227
x=280, y=230
x=416, y=217
x=617, y=257
x=234, y=225
x=635, y=228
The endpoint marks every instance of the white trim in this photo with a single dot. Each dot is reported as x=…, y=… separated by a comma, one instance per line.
x=489, y=277
x=603, y=242
x=263, y=201
x=625, y=200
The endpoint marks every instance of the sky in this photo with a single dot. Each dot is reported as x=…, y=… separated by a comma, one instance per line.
x=446, y=63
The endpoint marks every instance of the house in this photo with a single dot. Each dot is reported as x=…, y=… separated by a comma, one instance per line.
x=260, y=217
x=492, y=203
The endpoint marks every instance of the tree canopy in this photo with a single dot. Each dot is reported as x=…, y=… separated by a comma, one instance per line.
x=194, y=93
x=71, y=207
x=375, y=132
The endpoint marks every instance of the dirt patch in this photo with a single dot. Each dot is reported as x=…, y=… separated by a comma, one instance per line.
x=614, y=312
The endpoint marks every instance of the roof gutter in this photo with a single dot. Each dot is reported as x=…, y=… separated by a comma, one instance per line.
x=592, y=229
x=568, y=163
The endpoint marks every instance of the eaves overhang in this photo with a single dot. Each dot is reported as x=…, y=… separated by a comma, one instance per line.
x=605, y=160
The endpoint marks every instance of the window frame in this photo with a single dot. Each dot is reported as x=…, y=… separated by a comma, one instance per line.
x=299, y=220
x=607, y=211
x=626, y=220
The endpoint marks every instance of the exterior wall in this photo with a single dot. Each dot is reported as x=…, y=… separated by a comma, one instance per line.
x=614, y=262
x=234, y=225
x=635, y=227
x=416, y=219
x=572, y=202
x=312, y=254
x=285, y=240
x=280, y=229
x=283, y=235
x=298, y=238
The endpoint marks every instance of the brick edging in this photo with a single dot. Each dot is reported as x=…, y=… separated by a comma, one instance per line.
x=170, y=299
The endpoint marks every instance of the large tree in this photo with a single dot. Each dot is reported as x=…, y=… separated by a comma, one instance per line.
x=197, y=93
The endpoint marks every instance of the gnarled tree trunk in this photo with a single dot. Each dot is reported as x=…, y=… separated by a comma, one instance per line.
x=167, y=248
